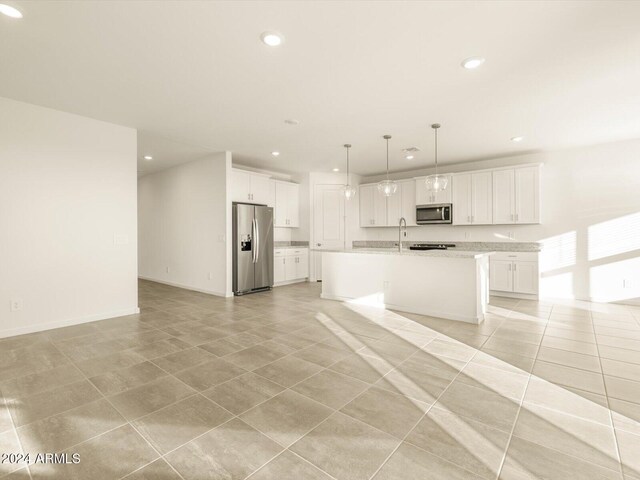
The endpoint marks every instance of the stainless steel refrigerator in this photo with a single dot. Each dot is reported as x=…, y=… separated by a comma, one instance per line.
x=252, y=248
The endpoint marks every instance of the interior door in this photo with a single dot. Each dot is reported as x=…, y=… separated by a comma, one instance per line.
x=264, y=242
x=328, y=217
x=243, y=246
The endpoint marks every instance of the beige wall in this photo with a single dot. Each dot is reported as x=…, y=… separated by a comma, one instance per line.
x=68, y=215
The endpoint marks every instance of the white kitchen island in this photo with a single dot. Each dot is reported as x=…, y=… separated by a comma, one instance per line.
x=448, y=284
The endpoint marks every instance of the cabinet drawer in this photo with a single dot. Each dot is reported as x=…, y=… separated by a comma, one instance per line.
x=279, y=252
x=515, y=256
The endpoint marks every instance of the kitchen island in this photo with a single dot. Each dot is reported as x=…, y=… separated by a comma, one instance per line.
x=449, y=284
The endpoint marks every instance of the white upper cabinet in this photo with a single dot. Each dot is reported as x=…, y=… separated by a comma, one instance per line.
x=365, y=196
x=426, y=197
x=481, y=200
x=249, y=187
x=376, y=210
x=504, y=196
x=408, y=202
x=287, y=205
x=516, y=195
x=527, y=181
x=472, y=199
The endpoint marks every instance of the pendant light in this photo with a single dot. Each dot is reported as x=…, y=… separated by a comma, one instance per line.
x=348, y=190
x=387, y=187
x=436, y=183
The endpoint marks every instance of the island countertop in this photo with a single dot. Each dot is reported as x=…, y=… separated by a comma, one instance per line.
x=451, y=253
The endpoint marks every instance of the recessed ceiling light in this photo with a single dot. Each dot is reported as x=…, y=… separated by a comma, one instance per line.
x=409, y=157
x=272, y=39
x=517, y=139
x=10, y=11
x=472, y=62
x=275, y=154
x=148, y=157
x=336, y=169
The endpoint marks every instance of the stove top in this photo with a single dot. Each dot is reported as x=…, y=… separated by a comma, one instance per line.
x=431, y=246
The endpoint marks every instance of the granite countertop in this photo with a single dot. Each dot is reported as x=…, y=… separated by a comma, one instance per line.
x=459, y=245
x=451, y=253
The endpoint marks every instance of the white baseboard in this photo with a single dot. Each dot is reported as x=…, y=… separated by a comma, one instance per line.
x=522, y=296
x=186, y=287
x=12, y=332
x=291, y=282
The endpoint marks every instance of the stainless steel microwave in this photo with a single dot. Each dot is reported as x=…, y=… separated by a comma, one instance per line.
x=432, y=214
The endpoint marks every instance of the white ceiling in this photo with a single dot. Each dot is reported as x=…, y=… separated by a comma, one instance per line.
x=559, y=73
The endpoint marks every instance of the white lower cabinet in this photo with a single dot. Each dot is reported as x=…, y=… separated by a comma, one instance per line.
x=514, y=272
x=290, y=264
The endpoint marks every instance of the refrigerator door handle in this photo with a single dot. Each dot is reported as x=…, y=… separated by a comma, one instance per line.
x=257, y=240
x=254, y=245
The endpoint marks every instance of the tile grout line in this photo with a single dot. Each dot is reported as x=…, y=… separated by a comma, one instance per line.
x=524, y=394
x=386, y=460
x=613, y=425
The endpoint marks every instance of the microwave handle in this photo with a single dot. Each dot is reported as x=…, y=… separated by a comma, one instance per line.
x=442, y=211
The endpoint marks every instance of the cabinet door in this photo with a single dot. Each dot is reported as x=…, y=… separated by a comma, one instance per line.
x=462, y=199
x=379, y=208
x=282, y=204
x=481, y=200
x=527, y=188
x=240, y=186
x=259, y=189
x=279, y=269
x=443, y=196
x=501, y=275
x=290, y=268
x=408, y=203
x=525, y=277
x=366, y=205
x=293, y=205
x=394, y=207
x=503, y=197
x=302, y=267
x=423, y=196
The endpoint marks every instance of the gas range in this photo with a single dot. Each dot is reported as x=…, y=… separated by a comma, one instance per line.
x=431, y=246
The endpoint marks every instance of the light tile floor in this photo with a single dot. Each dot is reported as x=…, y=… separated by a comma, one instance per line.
x=284, y=385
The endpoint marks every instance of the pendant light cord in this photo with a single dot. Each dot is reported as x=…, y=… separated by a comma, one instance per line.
x=436, y=131
x=387, y=159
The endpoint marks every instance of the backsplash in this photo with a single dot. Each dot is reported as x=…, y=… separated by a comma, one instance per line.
x=291, y=243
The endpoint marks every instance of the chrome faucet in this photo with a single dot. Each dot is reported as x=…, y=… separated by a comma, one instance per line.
x=402, y=224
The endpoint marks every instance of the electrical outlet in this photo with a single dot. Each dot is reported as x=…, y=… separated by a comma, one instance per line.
x=16, y=304
x=386, y=285
x=221, y=237
x=210, y=275
x=466, y=235
x=510, y=235
x=120, y=239
x=168, y=270
x=626, y=283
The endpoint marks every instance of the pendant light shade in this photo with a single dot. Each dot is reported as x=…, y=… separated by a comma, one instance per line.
x=436, y=183
x=348, y=190
x=387, y=187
